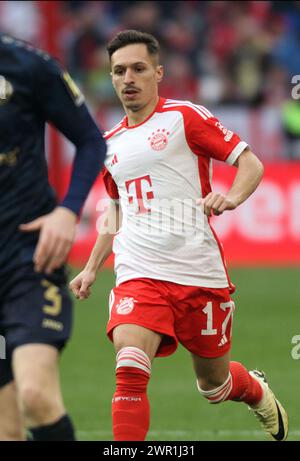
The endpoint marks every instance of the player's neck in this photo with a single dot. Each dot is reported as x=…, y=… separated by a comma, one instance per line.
x=137, y=117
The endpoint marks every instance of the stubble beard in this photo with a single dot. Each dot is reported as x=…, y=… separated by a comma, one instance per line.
x=134, y=107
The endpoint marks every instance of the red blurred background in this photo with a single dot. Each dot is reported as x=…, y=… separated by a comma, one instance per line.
x=237, y=58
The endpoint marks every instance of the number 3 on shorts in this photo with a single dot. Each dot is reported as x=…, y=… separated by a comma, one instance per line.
x=208, y=310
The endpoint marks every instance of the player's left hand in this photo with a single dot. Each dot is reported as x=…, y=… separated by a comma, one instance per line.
x=57, y=232
x=216, y=204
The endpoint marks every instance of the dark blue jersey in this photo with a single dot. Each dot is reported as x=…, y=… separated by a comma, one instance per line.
x=34, y=89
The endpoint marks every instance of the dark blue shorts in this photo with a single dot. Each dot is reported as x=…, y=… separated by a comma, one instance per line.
x=36, y=309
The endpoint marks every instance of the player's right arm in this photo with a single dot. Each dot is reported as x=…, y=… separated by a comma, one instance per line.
x=57, y=100
x=81, y=284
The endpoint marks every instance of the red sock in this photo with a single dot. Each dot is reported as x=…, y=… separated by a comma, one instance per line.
x=244, y=387
x=130, y=405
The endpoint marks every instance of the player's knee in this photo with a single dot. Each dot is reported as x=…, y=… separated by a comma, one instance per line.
x=133, y=369
x=36, y=403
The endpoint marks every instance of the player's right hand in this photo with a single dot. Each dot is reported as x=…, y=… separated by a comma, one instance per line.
x=81, y=284
x=57, y=232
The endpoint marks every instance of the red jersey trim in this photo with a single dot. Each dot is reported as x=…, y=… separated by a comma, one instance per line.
x=114, y=130
x=110, y=185
x=188, y=110
x=230, y=284
x=203, y=171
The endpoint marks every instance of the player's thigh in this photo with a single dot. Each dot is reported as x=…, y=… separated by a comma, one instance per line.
x=11, y=421
x=36, y=372
x=137, y=336
x=141, y=316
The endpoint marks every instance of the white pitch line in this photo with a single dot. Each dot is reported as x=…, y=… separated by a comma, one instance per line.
x=163, y=433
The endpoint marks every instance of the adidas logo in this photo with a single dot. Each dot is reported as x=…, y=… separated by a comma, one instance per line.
x=223, y=341
x=114, y=160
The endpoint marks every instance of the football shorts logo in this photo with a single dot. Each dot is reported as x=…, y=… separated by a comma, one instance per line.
x=159, y=139
x=6, y=90
x=125, y=305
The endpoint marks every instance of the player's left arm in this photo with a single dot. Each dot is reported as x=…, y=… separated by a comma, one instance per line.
x=208, y=138
x=59, y=101
x=248, y=177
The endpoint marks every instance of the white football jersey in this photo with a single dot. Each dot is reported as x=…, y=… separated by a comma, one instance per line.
x=157, y=170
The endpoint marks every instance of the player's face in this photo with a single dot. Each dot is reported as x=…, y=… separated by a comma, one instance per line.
x=135, y=76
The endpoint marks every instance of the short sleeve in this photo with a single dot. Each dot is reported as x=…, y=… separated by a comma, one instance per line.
x=110, y=185
x=207, y=136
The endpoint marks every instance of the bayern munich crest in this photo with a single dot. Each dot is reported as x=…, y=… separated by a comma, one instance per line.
x=125, y=305
x=159, y=139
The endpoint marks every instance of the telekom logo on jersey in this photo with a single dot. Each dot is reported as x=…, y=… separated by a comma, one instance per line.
x=138, y=188
x=181, y=217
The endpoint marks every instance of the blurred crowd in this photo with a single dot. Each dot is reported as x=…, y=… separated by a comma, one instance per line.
x=224, y=54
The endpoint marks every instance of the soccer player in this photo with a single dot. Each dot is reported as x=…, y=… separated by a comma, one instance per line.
x=36, y=234
x=172, y=283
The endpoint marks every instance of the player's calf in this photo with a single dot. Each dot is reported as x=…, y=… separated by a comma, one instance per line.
x=239, y=386
x=130, y=405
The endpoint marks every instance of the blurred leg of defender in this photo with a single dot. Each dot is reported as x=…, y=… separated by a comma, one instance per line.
x=36, y=373
x=36, y=318
x=11, y=421
x=33, y=399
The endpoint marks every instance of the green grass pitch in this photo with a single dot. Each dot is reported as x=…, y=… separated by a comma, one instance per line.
x=266, y=319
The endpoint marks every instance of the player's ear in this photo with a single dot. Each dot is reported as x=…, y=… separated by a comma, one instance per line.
x=159, y=73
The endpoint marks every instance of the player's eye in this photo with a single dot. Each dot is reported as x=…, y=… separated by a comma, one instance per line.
x=118, y=71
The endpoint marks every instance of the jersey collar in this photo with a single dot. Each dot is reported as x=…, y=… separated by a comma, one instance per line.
x=158, y=106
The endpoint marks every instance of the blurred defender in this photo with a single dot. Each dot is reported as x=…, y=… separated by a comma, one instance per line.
x=172, y=283
x=36, y=236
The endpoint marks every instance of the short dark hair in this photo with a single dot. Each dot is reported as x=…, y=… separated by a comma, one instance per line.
x=130, y=37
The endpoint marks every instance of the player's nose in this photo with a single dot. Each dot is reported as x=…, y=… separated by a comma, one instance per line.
x=128, y=77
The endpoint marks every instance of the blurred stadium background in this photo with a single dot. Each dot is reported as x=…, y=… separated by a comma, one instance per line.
x=242, y=60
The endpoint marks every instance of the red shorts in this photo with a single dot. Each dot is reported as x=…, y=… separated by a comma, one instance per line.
x=199, y=318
